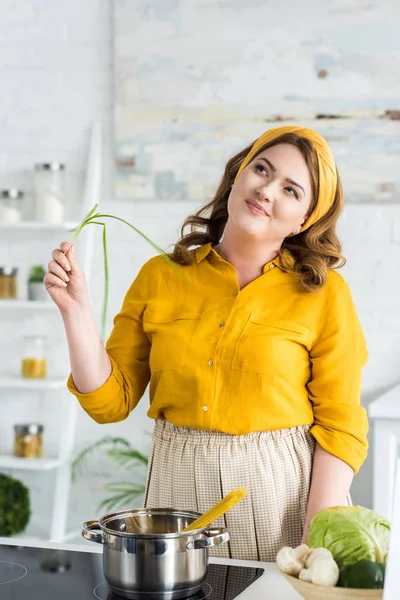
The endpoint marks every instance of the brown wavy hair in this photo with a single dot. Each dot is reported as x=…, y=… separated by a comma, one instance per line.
x=308, y=255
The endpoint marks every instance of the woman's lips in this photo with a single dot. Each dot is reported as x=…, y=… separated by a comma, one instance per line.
x=256, y=208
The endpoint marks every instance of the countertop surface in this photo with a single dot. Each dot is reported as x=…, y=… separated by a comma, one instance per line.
x=270, y=586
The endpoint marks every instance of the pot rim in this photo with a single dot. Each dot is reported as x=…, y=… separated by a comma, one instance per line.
x=137, y=511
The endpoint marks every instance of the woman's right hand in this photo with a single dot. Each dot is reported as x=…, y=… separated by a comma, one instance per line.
x=65, y=281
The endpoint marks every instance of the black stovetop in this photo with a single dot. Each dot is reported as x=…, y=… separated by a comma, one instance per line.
x=48, y=574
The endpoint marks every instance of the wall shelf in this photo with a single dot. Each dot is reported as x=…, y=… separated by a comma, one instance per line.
x=28, y=305
x=29, y=464
x=34, y=385
x=60, y=465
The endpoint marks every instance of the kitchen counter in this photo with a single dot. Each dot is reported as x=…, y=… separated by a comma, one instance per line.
x=270, y=586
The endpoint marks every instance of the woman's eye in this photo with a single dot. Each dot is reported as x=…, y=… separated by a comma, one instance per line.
x=294, y=192
x=261, y=168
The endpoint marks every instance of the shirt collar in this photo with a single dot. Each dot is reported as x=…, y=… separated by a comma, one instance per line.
x=204, y=251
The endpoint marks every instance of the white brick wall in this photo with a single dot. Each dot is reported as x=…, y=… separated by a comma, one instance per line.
x=55, y=76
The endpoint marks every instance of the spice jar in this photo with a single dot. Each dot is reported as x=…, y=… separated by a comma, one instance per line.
x=11, y=205
x=49, y=192
x=8, y=283
x=34, y=363
x=28, y=442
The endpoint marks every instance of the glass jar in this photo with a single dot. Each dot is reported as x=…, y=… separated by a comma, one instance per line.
x=50, y=192
x=28, y=441
x=8, y=283
x=11, y=205
x=34, y=363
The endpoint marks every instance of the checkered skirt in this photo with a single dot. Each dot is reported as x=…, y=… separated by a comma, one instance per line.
x=192, y=469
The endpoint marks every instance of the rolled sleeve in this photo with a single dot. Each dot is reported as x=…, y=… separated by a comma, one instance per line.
x=337, y=357
x=128, y=348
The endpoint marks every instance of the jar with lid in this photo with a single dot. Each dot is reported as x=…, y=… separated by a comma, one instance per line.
x=11, y=202
x=50, y=192
x=28, y=440
x=8, y=283
x=34, y=363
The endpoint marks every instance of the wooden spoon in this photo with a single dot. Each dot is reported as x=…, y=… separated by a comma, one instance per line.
x=216, y=511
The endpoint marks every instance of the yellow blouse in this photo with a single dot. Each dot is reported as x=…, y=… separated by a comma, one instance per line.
x=268, y=356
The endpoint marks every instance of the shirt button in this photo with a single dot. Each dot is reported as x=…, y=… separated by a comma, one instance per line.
x=205, y=408
x=222, y=324
x=272, y=266
x=210, y=362
x=235, y=293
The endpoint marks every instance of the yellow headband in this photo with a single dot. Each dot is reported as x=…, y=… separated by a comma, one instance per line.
x=326, y=164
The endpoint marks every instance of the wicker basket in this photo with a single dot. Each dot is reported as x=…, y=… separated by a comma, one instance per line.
x=310, y=591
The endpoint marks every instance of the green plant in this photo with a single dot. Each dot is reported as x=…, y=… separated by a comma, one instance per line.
x=121, y=451
x=15, y=509
x=36, y=274
x=92, y=218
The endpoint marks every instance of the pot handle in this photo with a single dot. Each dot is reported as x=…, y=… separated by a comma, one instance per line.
x=88, y=532
x=214, y=537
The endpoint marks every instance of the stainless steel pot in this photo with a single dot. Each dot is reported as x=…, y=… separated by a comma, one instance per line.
x=146, y=555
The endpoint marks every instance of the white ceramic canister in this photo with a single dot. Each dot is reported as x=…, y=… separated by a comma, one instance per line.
x=50, y=192
x=11, y=205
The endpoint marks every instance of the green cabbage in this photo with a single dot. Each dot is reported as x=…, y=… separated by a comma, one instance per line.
x=351, y=533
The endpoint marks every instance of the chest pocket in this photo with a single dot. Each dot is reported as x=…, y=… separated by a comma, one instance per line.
x=170, y=335
x=276, y=347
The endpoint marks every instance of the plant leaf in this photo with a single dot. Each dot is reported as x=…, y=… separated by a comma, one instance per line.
x=120, y=499
x=159, y=250
x=90, y=213
x=123, y=487
x=82, y=456
x=125, y=456
x=83, y=222
x=90, y=219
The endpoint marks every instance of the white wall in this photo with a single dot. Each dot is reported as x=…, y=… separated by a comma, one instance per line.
x=56, y=74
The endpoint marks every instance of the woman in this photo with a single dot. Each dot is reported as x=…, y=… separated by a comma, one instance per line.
x=254, y=357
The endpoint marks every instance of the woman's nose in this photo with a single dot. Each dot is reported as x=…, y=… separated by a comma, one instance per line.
x=265, y=193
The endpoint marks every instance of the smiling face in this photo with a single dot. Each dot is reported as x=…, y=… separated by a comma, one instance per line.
x=272, y=195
